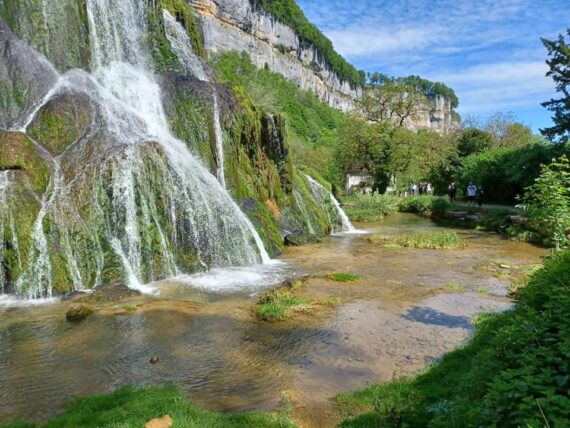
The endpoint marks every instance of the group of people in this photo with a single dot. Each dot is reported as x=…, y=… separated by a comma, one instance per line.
x=474, y=193
x=420, y=189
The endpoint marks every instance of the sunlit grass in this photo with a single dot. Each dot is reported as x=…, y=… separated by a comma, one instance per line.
x=423, y=240
x=343, y=277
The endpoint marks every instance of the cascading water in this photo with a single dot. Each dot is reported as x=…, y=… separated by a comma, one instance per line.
x=319, y=191
x=127, y=187
x=182, y=46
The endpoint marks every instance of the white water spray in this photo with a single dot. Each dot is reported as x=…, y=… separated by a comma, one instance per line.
x=182, y=46
x=319, y=189
x=150, y=201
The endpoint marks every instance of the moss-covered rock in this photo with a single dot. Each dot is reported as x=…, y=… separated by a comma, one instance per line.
x=62, y=121
x=78, y=312
x=56, y=28
x=164, y=59
x=18, y=152
x=25, y=77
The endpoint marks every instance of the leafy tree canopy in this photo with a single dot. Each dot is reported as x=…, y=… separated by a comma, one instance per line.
x=474, y=140
x=427, y=87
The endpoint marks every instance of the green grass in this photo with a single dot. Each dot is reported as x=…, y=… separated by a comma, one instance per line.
x=514, y=372
x=454, y=287
x=343, y=277
x=423, y=240
x=128, y=407
x=280, y=304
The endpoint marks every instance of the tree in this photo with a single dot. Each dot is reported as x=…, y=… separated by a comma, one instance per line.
x=392, y=101
x=472, y=141
x=559, y=65
x=547, y=201
x=516, y=134
x=498, y=123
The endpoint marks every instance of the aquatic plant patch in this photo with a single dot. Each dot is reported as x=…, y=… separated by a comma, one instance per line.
x=366, y=208
x=280, y=304
x=343, y=277
x=444, y=240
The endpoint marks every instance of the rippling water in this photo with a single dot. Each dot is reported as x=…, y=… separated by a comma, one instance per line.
x=210, y=343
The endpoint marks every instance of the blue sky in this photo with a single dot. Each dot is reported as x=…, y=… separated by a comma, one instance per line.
x=488, y=51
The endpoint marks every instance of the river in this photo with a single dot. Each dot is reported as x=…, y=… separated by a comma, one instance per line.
x=399, y=317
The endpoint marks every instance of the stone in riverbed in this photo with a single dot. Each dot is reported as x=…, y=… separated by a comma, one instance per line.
x=78, y=312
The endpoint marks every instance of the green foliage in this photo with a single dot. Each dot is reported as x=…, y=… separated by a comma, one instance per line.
x=505, y=172
x=423, y=240
x=289, y=13
x=473, y=141
x=391, y=154
x=514, y=373
x=369, y=208
x=422, y=204
x=311, y=125
x=431, y=89
x=343, y=277
x=129, y=407
x=547, y=201
x=559, y=63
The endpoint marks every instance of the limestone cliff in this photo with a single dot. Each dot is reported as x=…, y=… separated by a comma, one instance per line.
x=242, y=26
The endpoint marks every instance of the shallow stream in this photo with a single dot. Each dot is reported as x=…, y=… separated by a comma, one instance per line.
x=402, y=315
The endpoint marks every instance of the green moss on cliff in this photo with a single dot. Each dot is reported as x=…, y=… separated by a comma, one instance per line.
x=311, y=126
x=18, y=152
x=57, y=28
x=165, y=60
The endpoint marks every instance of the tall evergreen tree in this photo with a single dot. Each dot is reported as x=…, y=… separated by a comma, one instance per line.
x=559, y=64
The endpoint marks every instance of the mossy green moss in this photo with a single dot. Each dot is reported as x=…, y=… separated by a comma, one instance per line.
x=18, y=152
x=165, y=60
x=58, y=29
x=61, y=122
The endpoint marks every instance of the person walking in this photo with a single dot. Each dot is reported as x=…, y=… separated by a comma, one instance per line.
x=480, y=195
x=471, y=194
x=452, y=191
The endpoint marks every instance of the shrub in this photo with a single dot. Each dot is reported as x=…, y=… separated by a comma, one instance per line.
x=422, y=204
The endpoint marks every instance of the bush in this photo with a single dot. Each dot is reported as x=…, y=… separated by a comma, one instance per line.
x=422, y=204
x=369, y=208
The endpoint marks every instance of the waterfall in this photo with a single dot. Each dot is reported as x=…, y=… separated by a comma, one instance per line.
x=319, y=191
x=182, y=46
x=303, y=208
x=141, y=193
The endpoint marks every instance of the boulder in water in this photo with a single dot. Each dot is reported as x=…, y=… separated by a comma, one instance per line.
x=78, y=312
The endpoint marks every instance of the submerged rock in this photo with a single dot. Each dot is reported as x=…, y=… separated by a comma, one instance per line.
x=78, y=312
x=299, y=237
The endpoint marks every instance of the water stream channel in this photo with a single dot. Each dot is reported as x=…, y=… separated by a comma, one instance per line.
x=397, y=319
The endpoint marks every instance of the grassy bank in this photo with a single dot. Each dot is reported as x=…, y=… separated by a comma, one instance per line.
x=129, y=407
x=514, y=373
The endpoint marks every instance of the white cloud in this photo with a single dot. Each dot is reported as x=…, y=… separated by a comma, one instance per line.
x=364, y=41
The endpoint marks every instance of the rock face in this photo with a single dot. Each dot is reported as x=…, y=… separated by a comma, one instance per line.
x=25, y=77
x=239, y=25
